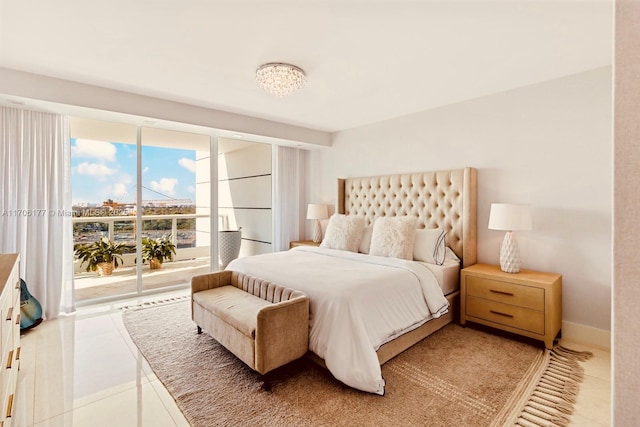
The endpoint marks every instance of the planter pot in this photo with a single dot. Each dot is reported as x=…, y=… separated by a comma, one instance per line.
x=154, y=264
x=229, y=245
x=105, y=268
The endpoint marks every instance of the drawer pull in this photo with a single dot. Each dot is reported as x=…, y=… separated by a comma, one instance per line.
x=10, y=359
x=9, y=407
x=18, y=353
x=10, y=313
x=501, y=292
x=501, y=314
x=17, y=284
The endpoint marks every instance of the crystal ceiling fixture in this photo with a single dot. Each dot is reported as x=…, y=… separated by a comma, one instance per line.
x=280, y=79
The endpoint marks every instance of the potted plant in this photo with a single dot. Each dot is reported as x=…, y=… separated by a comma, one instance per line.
x=157, y=250
x=102, y=255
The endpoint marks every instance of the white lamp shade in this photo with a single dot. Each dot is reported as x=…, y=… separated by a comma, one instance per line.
x=505, y=216
x=317, y=211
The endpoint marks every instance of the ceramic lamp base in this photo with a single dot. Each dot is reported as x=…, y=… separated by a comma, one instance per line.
x=509, y=254
x=317, y=232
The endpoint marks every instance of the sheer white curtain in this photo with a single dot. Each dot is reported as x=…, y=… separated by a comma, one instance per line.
x=35, y=203
x=289, y=196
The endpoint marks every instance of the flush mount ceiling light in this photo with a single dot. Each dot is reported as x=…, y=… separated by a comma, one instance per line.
x=280, y=79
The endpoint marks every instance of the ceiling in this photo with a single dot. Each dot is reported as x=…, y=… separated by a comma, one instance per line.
x=366, y=61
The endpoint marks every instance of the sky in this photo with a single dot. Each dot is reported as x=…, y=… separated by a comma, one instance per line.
x=107, y=170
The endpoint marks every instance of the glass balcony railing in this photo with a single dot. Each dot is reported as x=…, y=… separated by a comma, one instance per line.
x=189, y=232
x=191, y=242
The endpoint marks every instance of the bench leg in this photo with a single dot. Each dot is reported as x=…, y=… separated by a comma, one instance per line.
x=199, y=330
x=266, y=383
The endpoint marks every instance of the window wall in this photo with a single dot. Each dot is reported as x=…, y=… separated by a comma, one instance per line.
x=148, y=191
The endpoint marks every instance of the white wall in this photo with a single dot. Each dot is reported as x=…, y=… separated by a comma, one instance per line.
x=548, y=145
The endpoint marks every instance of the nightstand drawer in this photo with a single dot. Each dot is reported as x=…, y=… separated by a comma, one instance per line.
x=303, y=243
x=505, y=292
x=506, y=314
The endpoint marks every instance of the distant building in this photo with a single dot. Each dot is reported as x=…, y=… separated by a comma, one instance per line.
x=112, y=208
x=85, y=205
x=113, y=205
x=167, y=203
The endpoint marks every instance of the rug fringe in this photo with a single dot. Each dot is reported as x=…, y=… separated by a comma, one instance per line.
x=155, y=303
x=551, y=401
x=581, y=356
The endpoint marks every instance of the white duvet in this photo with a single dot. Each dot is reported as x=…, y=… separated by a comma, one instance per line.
x=357, y=303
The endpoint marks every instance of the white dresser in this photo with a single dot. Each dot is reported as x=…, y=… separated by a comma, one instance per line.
x=9, y=334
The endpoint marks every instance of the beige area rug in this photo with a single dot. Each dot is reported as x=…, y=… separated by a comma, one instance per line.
x=456, y=377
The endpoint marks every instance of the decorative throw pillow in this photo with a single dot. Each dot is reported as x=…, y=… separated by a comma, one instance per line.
x=430, y=246
x=365, y=243
x=393, y=237
x=344, y=232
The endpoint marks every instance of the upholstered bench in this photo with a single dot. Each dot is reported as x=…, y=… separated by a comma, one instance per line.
x=264, y=324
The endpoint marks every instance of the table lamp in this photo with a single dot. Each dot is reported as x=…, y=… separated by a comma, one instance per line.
x=317, y=212
x=509, y=217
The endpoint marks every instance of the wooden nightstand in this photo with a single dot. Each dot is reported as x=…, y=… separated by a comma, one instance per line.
x=527, y=303
x=303, y=243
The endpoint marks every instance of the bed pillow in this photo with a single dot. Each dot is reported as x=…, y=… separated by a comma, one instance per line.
x=323, y=226
x=365, y=243
x=393, y=237
x=451, y=256
x=344, y=232
x=429, y=246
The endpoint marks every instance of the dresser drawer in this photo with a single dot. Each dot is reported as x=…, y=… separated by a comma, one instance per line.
x=506, y=314
x=508, y=293
x=16, y=317
x=6, y=318
x=9, y=334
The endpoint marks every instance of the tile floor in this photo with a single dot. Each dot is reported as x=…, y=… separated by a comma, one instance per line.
x=84, y=370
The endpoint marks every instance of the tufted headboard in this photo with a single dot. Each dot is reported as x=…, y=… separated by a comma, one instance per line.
x=444, y=199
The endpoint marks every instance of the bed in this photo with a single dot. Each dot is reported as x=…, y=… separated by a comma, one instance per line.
x=367, y=308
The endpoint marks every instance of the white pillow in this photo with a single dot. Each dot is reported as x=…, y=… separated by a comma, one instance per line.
x=365, y=243
x=451, y=256
x=344, y=232
x=430, y=246
x=393, y=237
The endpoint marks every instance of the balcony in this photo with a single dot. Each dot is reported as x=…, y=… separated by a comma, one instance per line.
x=190, y=234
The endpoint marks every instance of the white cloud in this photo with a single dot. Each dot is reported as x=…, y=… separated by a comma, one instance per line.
x=120, y=190
x=94, y=149
x=188, y=164
x=146, y=169
x=95, y=169
x=191, y=189
x=166, y=186
x=124, y=178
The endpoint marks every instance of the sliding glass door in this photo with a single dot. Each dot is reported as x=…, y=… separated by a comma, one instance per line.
x=175, y=207
x=103, y=161
x=144, y=194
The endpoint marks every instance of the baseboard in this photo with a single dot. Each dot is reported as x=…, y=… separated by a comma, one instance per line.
x=586, y=335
